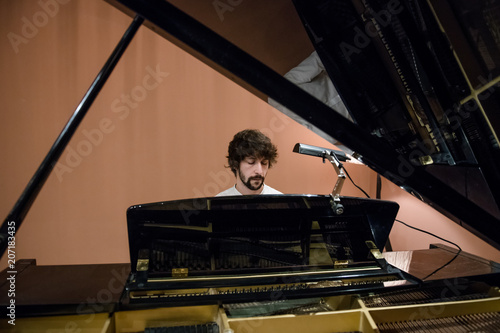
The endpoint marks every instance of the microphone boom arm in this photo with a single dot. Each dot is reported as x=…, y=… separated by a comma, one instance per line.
x=338, y=208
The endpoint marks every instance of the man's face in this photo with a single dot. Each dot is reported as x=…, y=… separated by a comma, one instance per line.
x=253, y=171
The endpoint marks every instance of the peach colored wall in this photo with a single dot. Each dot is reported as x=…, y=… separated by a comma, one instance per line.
x=168, y=141
x=420, y=215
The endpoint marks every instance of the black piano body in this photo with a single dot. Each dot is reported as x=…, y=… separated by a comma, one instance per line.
x=269, y=261
x=289, y=262
x=423, y=117
x=293, y=244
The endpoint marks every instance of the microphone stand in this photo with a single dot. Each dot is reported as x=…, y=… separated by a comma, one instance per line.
x=337, y=207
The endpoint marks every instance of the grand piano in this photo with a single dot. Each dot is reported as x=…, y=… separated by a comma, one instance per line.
x=419, y=83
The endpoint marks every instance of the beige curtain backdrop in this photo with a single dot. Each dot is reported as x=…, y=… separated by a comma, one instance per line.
x=158, y=131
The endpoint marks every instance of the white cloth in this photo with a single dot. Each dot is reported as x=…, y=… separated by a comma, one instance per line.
x=234, y=191
x=311, y=76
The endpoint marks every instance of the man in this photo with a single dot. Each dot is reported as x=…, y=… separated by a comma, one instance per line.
x=250, y=155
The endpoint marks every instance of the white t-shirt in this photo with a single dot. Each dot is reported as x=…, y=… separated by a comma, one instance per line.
x=234, y=191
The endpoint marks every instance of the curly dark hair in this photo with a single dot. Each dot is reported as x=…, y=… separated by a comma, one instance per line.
x=247, y=143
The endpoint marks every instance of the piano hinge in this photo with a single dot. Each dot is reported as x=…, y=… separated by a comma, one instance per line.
x=374, y=250
x=341, y=263
x=142, y=265
x=376, y=254
x=179, y=272
x=143, y=261
x=426, y=160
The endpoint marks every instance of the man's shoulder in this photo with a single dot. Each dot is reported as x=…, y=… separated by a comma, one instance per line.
x=269, y=190
x=228, y=192
x=233, y=191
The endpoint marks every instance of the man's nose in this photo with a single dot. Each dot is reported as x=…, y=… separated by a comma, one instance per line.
x=258, y=168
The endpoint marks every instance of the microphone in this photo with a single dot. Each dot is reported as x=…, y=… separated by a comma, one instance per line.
x=319, y=152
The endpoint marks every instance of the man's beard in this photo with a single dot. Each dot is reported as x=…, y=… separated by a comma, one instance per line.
x=248, y=184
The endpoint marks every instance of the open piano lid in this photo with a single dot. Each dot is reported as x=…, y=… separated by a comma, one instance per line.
x=256, y=235
x=423, y=117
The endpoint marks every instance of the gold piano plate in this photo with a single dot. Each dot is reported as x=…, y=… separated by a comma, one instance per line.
x=84, y=323
x=138, y=320
x=346, y=313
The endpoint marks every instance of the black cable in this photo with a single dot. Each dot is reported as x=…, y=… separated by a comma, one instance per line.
x=415, y=228
x=431, y=234
x=378, y=195
x=355, y=183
